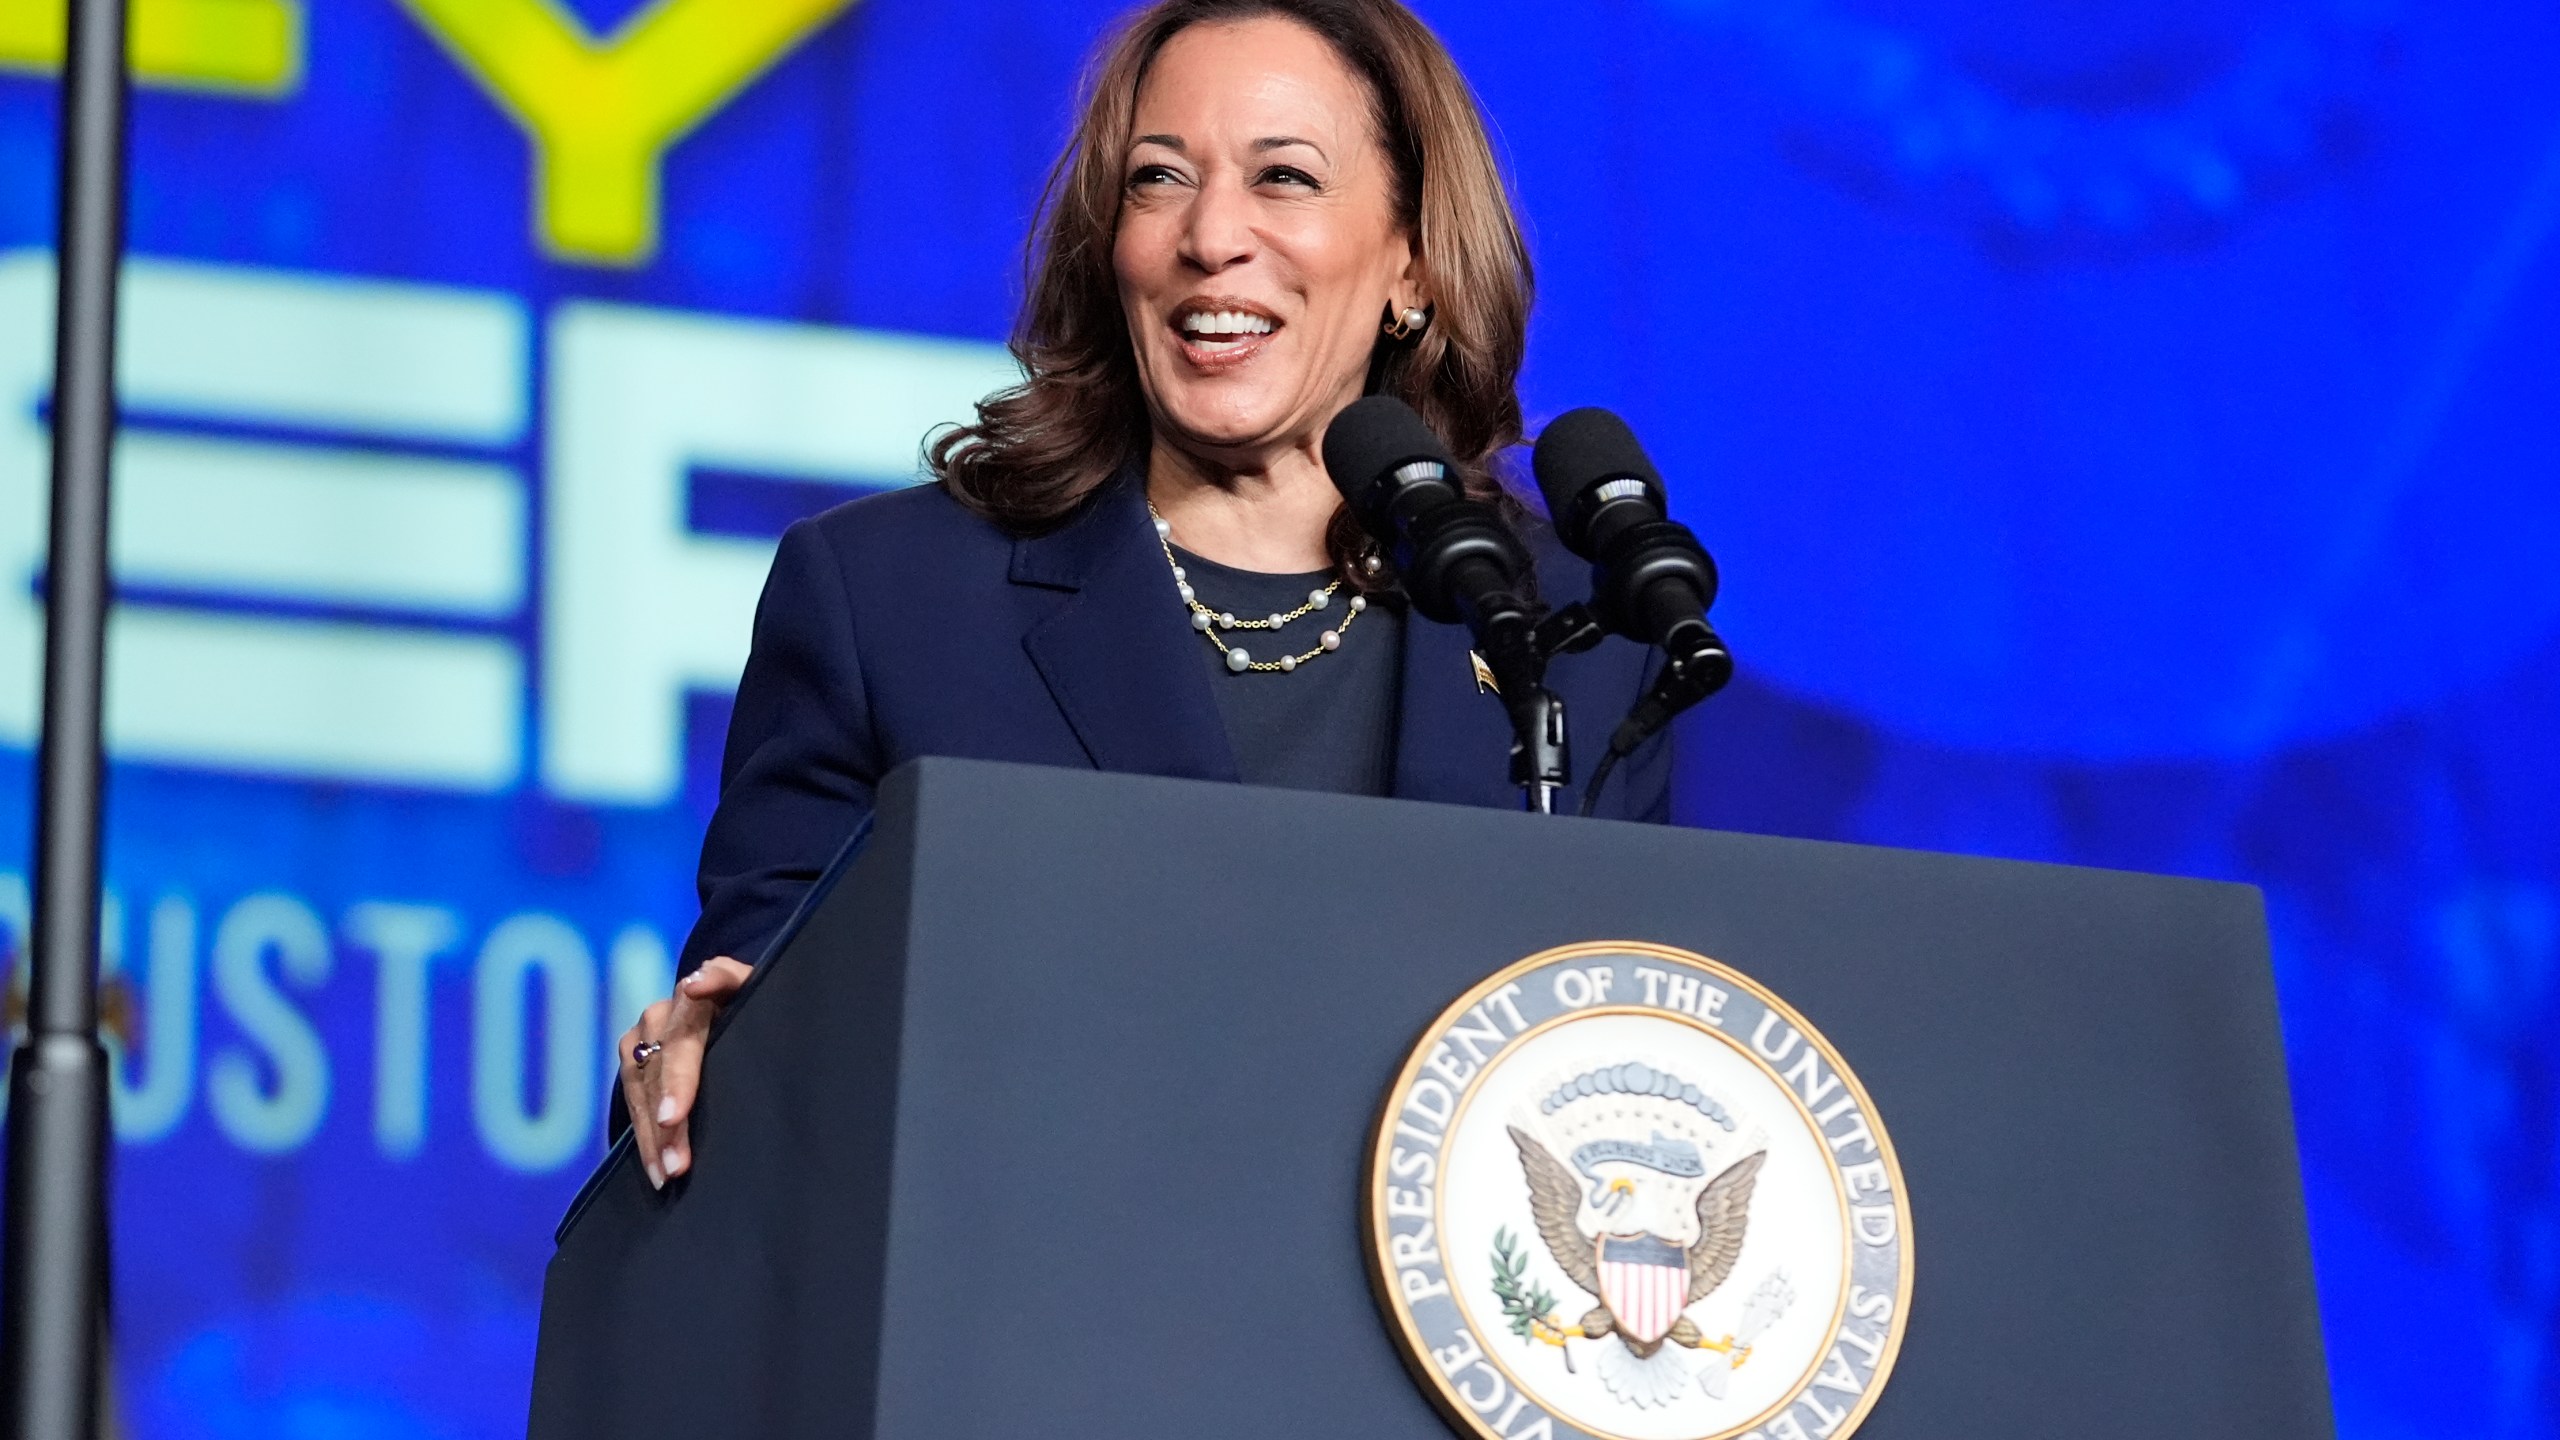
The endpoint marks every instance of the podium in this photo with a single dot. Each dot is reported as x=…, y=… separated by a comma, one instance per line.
x=1050, y=1117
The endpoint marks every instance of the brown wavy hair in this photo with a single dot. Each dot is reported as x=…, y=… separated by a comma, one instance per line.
x=1041, y=448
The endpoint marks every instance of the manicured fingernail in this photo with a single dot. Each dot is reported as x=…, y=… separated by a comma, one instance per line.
x=656, y=1180
x=673, y=1162
x=667, y=1111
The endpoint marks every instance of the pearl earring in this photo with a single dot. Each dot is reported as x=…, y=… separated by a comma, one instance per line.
x=1404, y=328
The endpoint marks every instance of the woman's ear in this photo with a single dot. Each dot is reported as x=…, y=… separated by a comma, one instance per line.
x=1412, y=284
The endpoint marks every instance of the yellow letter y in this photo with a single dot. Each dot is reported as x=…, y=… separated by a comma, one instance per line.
x=602, y=114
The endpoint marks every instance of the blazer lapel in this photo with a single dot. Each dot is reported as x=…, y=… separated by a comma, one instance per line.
x=1453, y=740
x=1117, y=653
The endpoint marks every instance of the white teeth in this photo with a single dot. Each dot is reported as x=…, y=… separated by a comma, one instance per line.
x=1225, y=322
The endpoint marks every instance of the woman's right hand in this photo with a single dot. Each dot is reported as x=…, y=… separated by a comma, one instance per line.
x=660, y=1090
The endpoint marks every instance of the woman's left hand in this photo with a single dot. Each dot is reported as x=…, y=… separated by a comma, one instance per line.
x=660, y=1085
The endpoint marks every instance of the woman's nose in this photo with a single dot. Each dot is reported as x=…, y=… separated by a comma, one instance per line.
x=1220, y=229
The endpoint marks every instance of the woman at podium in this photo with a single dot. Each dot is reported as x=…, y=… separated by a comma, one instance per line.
x=1135, y=560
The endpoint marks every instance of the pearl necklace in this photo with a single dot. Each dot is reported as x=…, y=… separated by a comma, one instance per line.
x=1208, y=622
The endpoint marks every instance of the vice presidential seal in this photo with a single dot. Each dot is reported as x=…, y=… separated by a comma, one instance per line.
x=1622, y=1191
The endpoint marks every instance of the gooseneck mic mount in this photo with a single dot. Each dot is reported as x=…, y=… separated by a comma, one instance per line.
x=1460, y=564
x=1651, y=580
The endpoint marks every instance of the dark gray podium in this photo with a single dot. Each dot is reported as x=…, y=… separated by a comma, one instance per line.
x=1049, y=1121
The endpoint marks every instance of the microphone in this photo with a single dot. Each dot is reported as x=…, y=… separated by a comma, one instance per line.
x=1651, y=580
x=1460, y=565
x=1459, y=561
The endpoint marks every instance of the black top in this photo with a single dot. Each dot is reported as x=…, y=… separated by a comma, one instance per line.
x=1330, y=724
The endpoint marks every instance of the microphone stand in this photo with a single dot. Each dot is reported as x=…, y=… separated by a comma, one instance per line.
x=1519, y=641
x=53, y=1282
x=1696, y=664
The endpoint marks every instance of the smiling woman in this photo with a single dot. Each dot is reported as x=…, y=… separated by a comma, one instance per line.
x=1321, y=166
x=1259, y=219
x=1135, y=560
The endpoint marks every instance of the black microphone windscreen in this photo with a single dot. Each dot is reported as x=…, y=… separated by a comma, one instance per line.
x=1376, y=435
x=1580, y=449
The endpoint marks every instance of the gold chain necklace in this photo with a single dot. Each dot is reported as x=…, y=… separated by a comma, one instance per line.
x=1209, y=624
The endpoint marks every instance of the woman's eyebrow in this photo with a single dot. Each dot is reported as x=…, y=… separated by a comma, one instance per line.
x=1170, y=142
x=1283, y=142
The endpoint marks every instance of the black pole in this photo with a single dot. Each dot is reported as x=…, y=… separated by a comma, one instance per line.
x=53, y=1306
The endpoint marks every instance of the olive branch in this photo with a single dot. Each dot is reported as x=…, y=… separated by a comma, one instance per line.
x=1523, y=1306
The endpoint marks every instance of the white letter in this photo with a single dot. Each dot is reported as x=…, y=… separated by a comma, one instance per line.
x=403, y=938
x=639, y=608
x=1682, y=993
x=1710, y=1006
x=1478, y=1031
x=1484, y=1403
x=1419, y=1287
x=1573, y=989
x=1874, y=1223
x=1837, y=1374
x=1444, y=1062
x=1856, y=1134
x=1437, y=1114
x=1760, y=1039
x=1806, y=1075
x=521, y=1137
x=303, y=522
x=1414, y=1249
x=1459, y=1354
x=270, y=1119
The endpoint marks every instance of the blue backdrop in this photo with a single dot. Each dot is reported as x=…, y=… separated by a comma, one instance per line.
x=2130, y=432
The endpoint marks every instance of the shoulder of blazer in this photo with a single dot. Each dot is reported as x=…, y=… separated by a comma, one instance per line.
x=910, y=549
x=920, y=540
x=893, y=523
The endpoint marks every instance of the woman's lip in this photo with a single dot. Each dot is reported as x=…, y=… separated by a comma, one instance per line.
x=1222, y=357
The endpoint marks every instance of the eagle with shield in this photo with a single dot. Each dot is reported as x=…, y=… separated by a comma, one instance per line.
x=1631, y=1216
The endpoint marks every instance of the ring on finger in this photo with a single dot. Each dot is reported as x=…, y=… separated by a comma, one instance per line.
x=644, y=1052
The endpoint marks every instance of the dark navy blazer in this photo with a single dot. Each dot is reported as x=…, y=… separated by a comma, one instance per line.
x=901, y=625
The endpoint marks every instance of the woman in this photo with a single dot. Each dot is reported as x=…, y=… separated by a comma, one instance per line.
x=1135, y=561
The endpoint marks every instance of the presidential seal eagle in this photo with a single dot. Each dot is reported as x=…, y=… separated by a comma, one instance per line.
x=1629, y=1241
